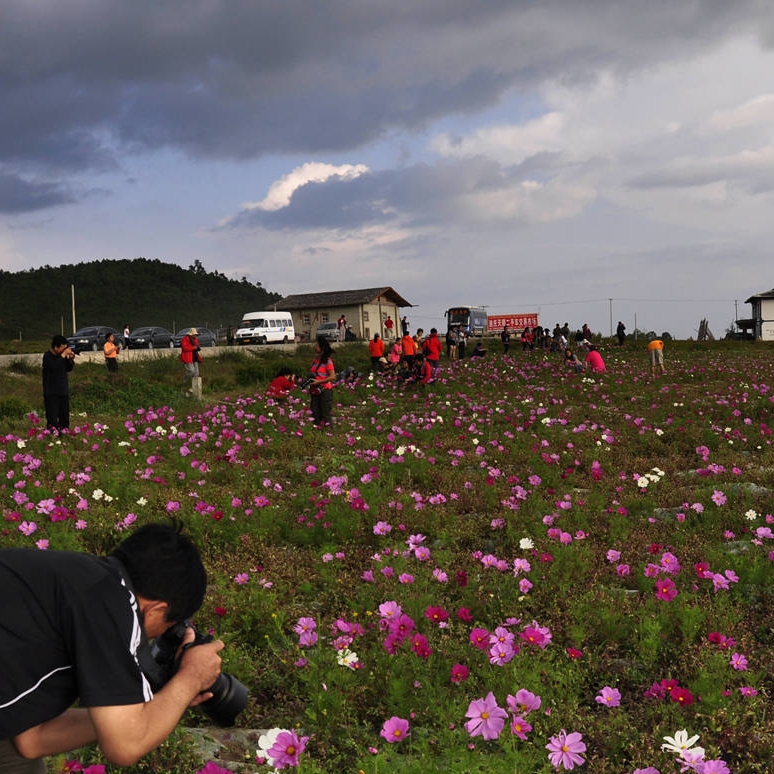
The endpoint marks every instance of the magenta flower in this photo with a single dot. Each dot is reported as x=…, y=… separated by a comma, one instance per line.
x=610, y=697
x=486, y=718
x=666, y=589
x=739, y=662
x=714, y=767
x=565, y=750
x=520, y=727
x=747, y=690
x=459, y=673
x=395, y=729
x=719, y=498
x=209, y=768
x=523, y=702
x=286, y=749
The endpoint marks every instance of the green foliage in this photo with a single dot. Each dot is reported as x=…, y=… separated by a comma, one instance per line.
x=142, y=292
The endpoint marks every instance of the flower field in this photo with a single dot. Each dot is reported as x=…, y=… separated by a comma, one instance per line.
x=515, y=569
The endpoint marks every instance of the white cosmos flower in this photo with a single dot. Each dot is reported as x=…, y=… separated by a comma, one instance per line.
x=681, y=741
x=525, y=544
x=347, y=658
x=266, y=742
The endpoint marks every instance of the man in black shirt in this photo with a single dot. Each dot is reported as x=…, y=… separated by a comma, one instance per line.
x=57, y=364
x=71, y=626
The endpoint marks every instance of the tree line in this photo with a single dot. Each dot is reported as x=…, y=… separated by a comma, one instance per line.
x=37, y=303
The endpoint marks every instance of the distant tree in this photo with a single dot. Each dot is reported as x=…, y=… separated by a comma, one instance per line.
x=666, y=336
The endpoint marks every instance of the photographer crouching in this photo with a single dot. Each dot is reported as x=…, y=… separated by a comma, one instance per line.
x=76, y=627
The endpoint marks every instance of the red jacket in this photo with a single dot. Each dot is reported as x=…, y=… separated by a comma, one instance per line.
x=432, y=347
x=189, y=349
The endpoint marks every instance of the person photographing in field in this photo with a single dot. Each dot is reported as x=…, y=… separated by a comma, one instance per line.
x=57, y=364
x=72, y=627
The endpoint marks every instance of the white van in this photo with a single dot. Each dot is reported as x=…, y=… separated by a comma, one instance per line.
x=265, y=328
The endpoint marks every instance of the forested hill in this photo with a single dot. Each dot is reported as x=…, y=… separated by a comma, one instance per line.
x=37, y=303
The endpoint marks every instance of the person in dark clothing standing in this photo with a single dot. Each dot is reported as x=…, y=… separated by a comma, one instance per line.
x=620, y=331
x=57, y=364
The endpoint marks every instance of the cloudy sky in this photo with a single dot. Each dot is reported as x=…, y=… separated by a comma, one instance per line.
x=584, y=159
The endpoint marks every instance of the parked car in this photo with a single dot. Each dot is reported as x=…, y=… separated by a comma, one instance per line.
x=206, y=337
x=93, y=338
x=150, y=337
x=329, y=330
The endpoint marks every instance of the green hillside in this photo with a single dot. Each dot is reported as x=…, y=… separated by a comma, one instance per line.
x=37, y=303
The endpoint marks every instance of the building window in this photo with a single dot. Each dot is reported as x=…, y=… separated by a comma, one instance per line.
x=365, y=316
x=324, y=316
x=307, y=319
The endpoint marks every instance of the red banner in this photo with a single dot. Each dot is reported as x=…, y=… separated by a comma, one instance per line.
x=495, y=322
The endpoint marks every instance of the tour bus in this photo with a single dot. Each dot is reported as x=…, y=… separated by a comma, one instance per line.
x=472, y=319
x=265, y=328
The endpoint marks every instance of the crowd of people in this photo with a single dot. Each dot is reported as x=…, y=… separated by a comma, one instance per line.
x=409, y=359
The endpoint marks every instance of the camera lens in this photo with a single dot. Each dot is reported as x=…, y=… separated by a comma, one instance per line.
x=228, y=700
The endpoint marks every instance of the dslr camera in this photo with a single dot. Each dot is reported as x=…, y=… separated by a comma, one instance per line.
x=229, y=695
x=305, y=382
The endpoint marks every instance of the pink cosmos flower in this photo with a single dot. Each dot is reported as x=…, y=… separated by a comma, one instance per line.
x=520, y=727
x=739, y=662
x=719, y=498
x=681, y=695
x=459, y=673
x=713, y=767
x=395, y=729
x=648, y=770
x=523, y=702
x=566, y=750
x=610, y=697
x=486, y=718
x=666, y=590
x=747, y=690
x=209, y=768
x=286, y=749
x=480, y=638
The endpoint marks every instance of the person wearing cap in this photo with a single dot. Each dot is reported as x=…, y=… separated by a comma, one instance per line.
x=189, y=354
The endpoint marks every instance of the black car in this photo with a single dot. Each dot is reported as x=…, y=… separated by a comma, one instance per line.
x=206, y=337
x=150, y=337
x=92, y=338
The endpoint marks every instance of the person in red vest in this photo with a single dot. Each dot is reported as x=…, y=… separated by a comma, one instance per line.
x=388, y=326
x=432, y=347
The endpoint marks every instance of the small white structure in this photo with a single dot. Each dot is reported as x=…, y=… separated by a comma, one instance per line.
x=761, y=324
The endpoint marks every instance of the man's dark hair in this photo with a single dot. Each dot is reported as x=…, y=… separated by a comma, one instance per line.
x=164, y=564
x=58, y=340
x=285, y=371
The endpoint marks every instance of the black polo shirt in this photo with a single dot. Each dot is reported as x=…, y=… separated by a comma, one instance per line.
x=69, y=630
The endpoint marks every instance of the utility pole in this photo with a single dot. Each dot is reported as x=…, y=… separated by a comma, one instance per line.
x=611, y=317
x=72, y=294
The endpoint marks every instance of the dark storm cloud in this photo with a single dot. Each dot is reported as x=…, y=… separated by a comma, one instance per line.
x=238, y=78
x=418, y=195
x=19, y=196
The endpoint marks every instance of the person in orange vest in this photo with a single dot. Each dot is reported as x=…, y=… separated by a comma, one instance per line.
x=111, y=353
x=656, y=352
x=409, y=350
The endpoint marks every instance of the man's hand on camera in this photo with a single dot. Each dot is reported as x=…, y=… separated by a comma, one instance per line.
x=200, y=663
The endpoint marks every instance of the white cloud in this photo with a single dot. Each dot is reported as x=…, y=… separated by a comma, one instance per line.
x=281, y=191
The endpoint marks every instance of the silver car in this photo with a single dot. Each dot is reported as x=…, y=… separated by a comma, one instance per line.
x=329, y=330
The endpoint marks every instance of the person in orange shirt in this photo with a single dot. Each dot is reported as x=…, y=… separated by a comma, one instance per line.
x=409, y=350
x=376, y=350
x=111, y=353
x=656, y=352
